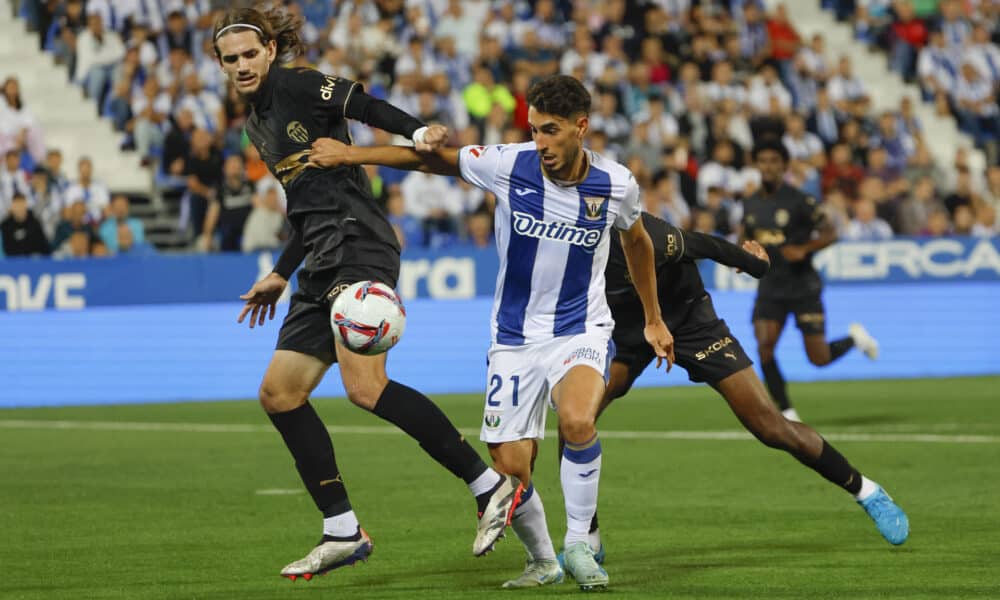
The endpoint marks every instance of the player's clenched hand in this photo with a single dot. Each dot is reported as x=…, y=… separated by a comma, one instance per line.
x=662, y=341
x=435, y=136
x=261, y=299
x=328, y=153
x=793, y=253
x=757, y=250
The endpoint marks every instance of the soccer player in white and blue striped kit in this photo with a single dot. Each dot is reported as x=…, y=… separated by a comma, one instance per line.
x=551, y=325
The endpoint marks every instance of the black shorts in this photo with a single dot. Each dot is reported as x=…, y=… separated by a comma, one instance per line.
x=703, y=346
x=810, y=316
x=306, y=328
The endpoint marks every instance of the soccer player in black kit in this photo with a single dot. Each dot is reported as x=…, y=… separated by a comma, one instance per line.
x=708, y=351
x=344, y=237
x=791, y=226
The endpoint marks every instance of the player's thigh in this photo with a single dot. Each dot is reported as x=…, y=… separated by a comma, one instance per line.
x=515, y=458
x=810, y=318
x=290, y=378
x=516, y=389
x=577, y=397
x=709, y=351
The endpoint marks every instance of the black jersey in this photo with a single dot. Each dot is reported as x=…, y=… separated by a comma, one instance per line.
x=678, y=281
x=787, y=216
x=335, y=220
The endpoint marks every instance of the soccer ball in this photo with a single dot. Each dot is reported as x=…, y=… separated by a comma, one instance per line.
x=368, y=317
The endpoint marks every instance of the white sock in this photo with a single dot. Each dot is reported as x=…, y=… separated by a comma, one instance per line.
x=580, y=473
x=868, y=488
x=594, y=539
x=342, y=525
x=530, y=526
x=485, y=482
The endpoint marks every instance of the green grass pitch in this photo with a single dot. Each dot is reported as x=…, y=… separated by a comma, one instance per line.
x=202, y=501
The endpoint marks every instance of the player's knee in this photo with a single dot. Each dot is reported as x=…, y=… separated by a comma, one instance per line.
x=577, y=429
x=274, y=399
x=766, y=351
x=819, y=358
x=774, y=432
x=364, y=393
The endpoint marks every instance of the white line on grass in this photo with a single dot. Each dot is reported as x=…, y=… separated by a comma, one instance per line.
x=920, y=438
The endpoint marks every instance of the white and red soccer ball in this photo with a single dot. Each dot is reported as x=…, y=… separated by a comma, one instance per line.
x=368, y=317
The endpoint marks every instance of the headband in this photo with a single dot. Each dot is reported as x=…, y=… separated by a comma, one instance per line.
x=247, y=25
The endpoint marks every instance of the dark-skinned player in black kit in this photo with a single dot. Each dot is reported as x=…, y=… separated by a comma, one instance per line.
x=791, y=226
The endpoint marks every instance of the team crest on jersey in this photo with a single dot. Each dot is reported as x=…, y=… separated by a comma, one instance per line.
x=781, y=217
x=492, y=420
x=297, y=132
x=595, y=207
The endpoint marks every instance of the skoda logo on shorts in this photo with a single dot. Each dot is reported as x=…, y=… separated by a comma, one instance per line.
x=297, y=132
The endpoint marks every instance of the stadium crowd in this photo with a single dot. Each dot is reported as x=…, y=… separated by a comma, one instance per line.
x=681, y=90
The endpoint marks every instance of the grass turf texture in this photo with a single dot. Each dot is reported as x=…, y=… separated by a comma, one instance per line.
x=177, y=514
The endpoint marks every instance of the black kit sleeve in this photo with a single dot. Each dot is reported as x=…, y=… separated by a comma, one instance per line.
x=702, y=245
x=291, y=256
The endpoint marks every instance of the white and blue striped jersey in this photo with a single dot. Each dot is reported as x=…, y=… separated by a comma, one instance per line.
x=552, y=240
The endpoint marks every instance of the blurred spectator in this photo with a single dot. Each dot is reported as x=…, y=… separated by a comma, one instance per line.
x=963, y=221
x=92, y=193
x=263, y=227
x=69, y=23
x=898, y=146
x=230, y=208
x=984, y=54
x=409, y=230
x=151, y=110
x=964, y=194
x=824, y=120
x=909, y=34
x=842, y=174
x=608, y=120
x=13, y=179
x=917, y=207
x=484, y=92
x=53, y=167
x=45, y=201
x=19, y=130
x=21, y=231
x=975, y=102
x=98, y=51
x=205, y=106
x=479, y=226
x=665, y=201
x=462, y=26
x=938, y=224
x=766, y=89
x=111, y=232
x=74, y=220
x=937, y=67
x=866, y=226
x=991, y=191
x=719, y=172
x=177, y=145
x=203, y=169
x=427, y=198
x=847, y=92
x=986, y=222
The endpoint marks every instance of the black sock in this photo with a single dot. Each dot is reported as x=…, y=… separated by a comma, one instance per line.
x=834, y=467
x=422, y=420
x=840, y=347
x=775, y=384
x=309, y=442
x=593, y=524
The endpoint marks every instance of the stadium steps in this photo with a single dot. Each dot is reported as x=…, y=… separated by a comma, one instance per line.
x=887, y=87
x=68, y=120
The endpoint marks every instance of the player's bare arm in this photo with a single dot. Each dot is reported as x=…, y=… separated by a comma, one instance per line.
x=328, y=153
x=638, y=249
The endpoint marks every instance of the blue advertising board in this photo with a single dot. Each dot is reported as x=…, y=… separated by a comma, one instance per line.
x=36, y=284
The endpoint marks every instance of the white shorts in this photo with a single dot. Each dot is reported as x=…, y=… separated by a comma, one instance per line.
x=520, y=379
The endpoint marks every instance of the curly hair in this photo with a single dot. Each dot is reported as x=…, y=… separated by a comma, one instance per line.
x=274, y=23
x=560, y=95
x=772, y=143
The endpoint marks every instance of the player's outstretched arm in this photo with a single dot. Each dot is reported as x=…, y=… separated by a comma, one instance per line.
x=262, y=298
x=328, y=153
x=751, y=258
x=638, y=250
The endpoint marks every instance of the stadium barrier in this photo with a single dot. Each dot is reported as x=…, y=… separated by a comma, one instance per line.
x=126, y=330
